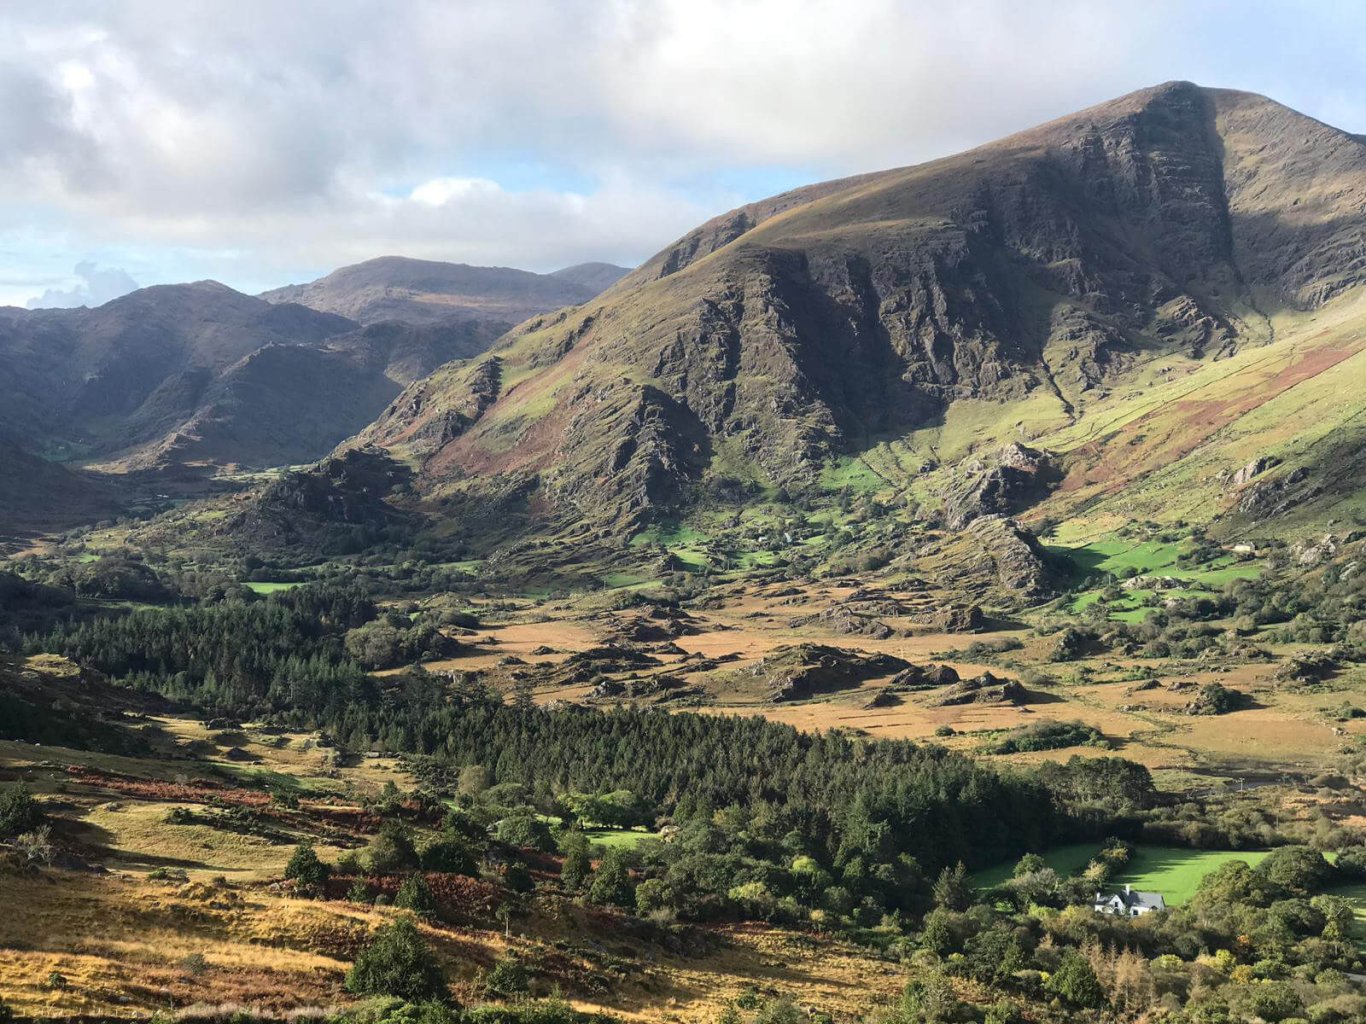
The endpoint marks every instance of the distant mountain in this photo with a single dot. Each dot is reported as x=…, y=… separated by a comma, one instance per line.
x=427, y=291
x=595, y=277
x=201, y=373
x=1066, y=287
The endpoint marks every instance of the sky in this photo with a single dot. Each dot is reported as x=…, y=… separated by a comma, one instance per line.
x=264, y=142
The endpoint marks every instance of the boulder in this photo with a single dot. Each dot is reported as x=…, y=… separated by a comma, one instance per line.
x=1255, y=468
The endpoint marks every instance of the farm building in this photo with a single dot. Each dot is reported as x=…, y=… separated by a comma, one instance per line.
x=1131, y=902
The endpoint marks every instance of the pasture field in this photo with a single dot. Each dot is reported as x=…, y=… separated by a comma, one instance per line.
x=270, y=588
x=1173, y=871
x=618, y=838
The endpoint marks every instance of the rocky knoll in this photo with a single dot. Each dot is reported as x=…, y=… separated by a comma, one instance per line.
x=1003, y=483
x=983, y=689
x=806, y=670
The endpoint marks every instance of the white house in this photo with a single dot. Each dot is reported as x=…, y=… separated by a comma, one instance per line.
x=1130, y=902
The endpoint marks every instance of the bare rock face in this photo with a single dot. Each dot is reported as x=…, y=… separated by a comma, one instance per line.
x=1255, y=468
x=660, y=687
x=658, y=625
x=1002, y=483
x=1314, y=552
x=995, y=555
x=1274, y=496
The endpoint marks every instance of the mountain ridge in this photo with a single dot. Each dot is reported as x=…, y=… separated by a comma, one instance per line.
x=429, y=291
x=172, y=376
x=1029, y=277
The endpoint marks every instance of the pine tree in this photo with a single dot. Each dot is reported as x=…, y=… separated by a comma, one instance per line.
x=397, y=963
x=951, y=889
x=612, y=882
x=577, y=862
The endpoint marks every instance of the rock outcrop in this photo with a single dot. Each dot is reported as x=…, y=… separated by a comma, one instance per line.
x=1005, y=482
x=806, y=670
x=983, y=689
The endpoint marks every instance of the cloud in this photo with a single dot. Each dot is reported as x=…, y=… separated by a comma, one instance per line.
x=267, y=137
x=97, y=286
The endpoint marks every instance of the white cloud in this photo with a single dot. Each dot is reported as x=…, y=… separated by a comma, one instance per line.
x=96, y=285
x=270, y=137
x=440, y=191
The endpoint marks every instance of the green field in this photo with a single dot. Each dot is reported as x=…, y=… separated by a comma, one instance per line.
x=270, y=588
x=1065, y=860
x=1173, y=871
x=1176, y=872
x=608, y=838
x=1119, y=557
x=617, y=838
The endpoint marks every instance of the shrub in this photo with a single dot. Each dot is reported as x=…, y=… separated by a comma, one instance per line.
x=416, y=895
x=348, y=864
x=1352, y=863
x=305, y=869
x=522, y=828
x=1049, y=736
x=507, y=978
x=392, y=850
x=36, y=846
x=19, y=812
x=1076, y=982
x=397, y=963
x=449, y=855
x=359, y=892
x=779, y=1011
